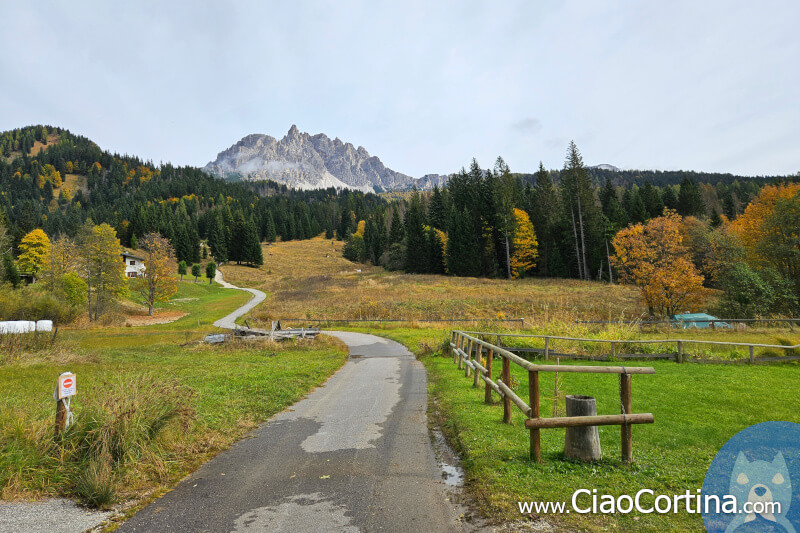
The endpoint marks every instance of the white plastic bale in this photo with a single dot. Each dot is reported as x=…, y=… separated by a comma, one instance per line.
x=44, y=325
x=18, y=326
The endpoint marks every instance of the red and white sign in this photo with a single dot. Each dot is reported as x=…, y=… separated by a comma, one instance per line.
x=66, y=385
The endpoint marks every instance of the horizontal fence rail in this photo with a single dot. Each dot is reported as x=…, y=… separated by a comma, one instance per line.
x=395, y=320
x=688, y=322
x=476, y=356
x=679, y=355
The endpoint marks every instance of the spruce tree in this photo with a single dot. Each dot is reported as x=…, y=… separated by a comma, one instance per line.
x=690, y=201
x=415, y=236
x=270, y=234
x=436, y=214
x=396, y=232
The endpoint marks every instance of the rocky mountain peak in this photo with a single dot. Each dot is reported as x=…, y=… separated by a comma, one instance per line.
x=306, y=161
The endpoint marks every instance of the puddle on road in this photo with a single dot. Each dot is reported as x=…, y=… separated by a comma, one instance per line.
x=449, y=464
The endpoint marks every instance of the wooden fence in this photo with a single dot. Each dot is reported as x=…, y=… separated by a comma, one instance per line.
x=679, y=355
x=476, y=356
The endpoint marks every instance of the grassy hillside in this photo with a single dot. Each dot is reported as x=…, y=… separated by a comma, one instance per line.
x=310, y=279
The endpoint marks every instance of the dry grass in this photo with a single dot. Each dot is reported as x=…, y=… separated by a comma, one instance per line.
x=310, y=279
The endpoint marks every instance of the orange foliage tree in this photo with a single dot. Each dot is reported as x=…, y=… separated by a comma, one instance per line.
x=653, y=257
x=157, y=283
x=752, y=229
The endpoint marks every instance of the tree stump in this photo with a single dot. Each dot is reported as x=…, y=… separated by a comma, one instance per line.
x=582, y=442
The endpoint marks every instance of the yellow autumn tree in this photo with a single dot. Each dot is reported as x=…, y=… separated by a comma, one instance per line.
x=63, y=260
x=653, y=257
x=362, y=227
x=157, y=283
x=524, y=244
x=34, y=254
x=101, y=266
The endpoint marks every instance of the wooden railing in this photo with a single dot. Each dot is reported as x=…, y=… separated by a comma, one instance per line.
x=679, y=355
x=477, y=356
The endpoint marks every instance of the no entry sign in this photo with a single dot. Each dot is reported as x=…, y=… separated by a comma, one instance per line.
x=66, y=385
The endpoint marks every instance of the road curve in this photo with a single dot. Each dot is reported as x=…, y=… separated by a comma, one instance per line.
x=354, y=456
x=229, y=322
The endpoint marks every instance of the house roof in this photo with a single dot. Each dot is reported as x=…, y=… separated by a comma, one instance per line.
x=131, y=254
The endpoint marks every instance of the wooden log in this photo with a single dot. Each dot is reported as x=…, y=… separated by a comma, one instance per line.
x=506, y=377
x=487, y=397
x=477, y=365
x=594, y=369
x=625, y=430
x=582, y=442
x=480, y=367
x=61, y=417
x=599, y=420
x=533, y=398
x=491, y=384
x=511, y=396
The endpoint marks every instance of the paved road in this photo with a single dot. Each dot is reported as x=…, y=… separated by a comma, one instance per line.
x=355, y=456
x=229, y=322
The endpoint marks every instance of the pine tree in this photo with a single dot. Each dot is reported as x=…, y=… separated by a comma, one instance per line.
x=544, y=215
x=436, y=214
x=270, y=234
x=462, y=246
x=396, y=232
x=690, y=201
x=415, y=236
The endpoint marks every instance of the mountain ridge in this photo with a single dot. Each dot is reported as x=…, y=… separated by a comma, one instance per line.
x=304, y=161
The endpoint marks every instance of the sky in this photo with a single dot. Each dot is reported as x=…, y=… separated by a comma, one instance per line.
x=424, y=85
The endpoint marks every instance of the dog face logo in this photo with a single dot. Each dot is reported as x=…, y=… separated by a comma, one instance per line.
x=766, y=485
x=753, y=483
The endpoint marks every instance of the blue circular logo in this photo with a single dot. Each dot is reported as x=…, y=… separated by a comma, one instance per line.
x=753, y=483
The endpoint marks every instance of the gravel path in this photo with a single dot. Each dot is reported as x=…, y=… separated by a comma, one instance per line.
x=229, y=322
x=53, y=516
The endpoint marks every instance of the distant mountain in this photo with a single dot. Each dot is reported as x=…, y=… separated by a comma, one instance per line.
x=604, y=166
x=304, y=161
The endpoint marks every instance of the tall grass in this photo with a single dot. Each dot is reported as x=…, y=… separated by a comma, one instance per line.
x=131, y=428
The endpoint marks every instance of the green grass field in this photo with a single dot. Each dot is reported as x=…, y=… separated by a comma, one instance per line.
x=697, y=408
x=216, y=395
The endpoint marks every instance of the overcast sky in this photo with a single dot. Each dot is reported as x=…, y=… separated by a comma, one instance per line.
x=424, y=85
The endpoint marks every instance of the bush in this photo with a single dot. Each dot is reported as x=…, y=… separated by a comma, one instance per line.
x=749, y=294
x=34, y=302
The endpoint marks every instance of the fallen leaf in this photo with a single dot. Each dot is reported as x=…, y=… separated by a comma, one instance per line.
x=324, y=477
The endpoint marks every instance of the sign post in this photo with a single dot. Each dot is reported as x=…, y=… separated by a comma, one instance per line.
x=65, y=390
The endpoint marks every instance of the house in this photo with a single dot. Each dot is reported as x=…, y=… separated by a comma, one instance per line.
x=134, y=265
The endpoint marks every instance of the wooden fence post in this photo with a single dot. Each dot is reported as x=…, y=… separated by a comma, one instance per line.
x=613, y=350
x=469, y=358
x=506, y=400
x=533, y=398
x=625, y=429
x=546, y=348
x=477, y=372
x=466, y=343
x=487, y=397
x=752, y=355
x=679, y=357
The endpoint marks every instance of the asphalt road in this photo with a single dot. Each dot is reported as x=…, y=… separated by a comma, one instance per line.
x=354, y=456
x=229, y=322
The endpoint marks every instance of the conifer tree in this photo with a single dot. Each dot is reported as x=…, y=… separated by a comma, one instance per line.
x=396, y=231
x=436, y=213
x=415, y=236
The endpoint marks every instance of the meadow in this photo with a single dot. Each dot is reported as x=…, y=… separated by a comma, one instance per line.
x=697, y=407
x=152, y=404
x=311, y=280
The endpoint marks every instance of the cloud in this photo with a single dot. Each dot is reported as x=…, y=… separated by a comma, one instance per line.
x=527, y=126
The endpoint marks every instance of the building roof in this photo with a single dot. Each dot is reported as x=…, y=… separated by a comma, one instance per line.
x=131, y=254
